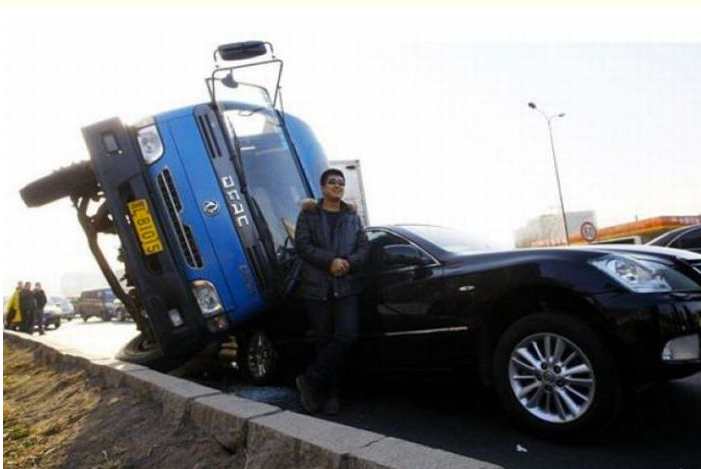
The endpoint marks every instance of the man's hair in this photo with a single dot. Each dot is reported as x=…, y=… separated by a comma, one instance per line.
x=330, y=172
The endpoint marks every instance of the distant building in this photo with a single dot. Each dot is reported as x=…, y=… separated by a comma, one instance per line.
x=547, y=230
x=72, y=283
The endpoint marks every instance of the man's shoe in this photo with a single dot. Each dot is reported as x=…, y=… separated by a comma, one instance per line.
x=308, y=395
x=332, y=406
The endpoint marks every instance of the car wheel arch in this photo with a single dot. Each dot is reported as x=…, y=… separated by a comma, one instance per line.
x=531, y=299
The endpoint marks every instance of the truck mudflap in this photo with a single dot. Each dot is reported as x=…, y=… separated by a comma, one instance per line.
x=162, y=292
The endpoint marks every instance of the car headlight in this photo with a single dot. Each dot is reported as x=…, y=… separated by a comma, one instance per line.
x=207, y=297
x=644, y=275
x=150, y=143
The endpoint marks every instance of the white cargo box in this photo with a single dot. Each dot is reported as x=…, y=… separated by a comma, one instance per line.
x=354, y=185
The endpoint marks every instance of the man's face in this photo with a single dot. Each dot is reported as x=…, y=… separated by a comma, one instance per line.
x=334, y=187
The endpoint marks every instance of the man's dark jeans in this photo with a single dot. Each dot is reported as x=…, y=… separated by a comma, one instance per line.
x=39, y=319
x=335, y=325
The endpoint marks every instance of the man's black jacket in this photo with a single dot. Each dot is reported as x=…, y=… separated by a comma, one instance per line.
x=40, y=298
x=317, y=248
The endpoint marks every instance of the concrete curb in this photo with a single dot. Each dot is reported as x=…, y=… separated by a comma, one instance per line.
x=269, y=436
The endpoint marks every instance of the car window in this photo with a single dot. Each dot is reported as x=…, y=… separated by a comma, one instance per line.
x=690, y=240
x=377, y=240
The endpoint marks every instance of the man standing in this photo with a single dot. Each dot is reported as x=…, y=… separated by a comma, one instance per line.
x=27, y=305
x=40, y=301
x=330, y=240
x=13, y=313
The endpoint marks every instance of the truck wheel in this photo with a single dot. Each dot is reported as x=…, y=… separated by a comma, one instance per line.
x=142, y=351
x=77, y=179
x=258, y=359
x=555, y=376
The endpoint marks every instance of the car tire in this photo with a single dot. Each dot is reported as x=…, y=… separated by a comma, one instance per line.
x=85, y=318
x=258, y=357
x=75, y=180
x=555, y=376
x=120, y=315
x=57, y=324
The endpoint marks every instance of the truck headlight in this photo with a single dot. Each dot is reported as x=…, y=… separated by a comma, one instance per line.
x=681, y=348
x=644, y=275
x=207, y=297
x=150, y=143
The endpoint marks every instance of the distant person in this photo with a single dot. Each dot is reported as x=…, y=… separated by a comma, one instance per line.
x=40, y=301
x=27, y=306
x=331, y=242
x=13, y=312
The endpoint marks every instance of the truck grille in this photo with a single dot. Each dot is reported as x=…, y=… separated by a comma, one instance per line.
x=188, y=246
x=208, y=136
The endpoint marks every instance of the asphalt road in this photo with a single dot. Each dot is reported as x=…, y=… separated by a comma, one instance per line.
x=661, y=427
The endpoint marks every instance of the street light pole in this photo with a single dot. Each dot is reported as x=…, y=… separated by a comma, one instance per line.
x=548, y=119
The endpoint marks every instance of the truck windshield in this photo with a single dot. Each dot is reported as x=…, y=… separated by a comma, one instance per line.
x=271, y=172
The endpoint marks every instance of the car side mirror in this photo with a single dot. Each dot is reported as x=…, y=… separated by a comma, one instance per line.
x=402, y=255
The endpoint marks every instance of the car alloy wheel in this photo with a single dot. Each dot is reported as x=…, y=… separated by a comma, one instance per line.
x=551, y=378
x=556, y=376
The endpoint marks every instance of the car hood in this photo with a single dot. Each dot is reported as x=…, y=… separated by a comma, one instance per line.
x=645, y=250
x=575, y=253
x=51, y=309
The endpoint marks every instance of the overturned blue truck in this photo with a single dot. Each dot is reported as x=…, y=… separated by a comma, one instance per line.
x=204, y=200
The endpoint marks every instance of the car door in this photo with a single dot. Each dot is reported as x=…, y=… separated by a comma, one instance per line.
x=401, y=306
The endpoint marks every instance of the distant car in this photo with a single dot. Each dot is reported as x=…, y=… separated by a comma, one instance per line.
x=686, y=237
x=67, y=309
x=52, y=316
x=96, y=302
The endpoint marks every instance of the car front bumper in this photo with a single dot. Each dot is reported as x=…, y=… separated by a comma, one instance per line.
x=647, y=327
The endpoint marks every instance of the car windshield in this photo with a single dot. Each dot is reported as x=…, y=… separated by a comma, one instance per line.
x=57, y=300
x=449, y=239
x=272, y=173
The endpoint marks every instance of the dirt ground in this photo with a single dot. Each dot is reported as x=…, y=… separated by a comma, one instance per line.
x=68, y=419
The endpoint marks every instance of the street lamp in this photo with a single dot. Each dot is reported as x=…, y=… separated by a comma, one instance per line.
x=557, y=173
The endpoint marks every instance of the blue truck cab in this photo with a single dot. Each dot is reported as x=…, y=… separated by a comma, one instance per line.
x=204, y=200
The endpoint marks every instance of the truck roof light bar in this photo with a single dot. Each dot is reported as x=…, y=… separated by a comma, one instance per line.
x=242, y=50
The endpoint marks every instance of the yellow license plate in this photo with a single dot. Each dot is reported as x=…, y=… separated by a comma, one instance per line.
x=145, y=228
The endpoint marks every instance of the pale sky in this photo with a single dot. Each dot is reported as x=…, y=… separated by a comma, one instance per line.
x=434, y=104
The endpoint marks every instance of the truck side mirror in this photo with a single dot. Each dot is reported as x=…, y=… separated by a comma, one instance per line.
x=402, y=255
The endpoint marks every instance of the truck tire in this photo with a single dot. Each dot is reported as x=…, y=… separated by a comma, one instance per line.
x=258, y=357
x=555, y=375
x=75, y=180
x=141, y=351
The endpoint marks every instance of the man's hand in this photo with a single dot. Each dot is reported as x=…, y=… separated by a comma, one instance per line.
x=339, y=267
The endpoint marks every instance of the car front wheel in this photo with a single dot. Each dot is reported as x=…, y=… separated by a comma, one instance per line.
x=555, y=375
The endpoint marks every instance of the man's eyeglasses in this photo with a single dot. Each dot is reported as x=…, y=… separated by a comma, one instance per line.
x=335, y=182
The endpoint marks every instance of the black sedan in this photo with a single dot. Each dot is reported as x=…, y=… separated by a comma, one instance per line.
x=686, y=237
x=558, y=333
